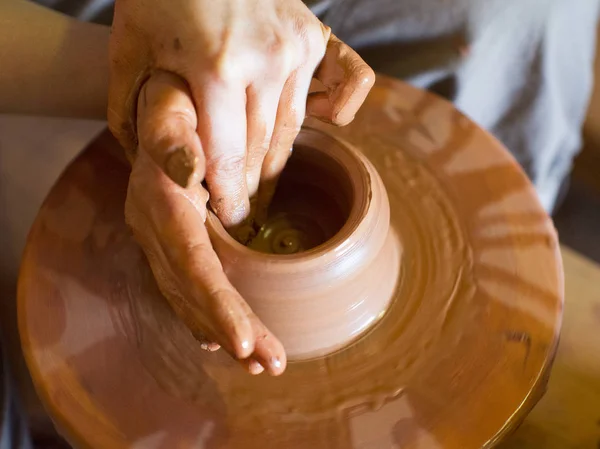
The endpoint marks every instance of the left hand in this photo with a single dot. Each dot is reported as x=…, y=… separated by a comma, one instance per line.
x=168, y=222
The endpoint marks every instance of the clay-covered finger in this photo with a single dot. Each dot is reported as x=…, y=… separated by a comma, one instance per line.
x=210, y=346
x=347, y=80
x=261, y=110
x=290, y=115
x=269, y=352
x=168, y=222
x=206, y=344
x=252, y=366
x=230, y=325
x=222, y=129
x=166, y=127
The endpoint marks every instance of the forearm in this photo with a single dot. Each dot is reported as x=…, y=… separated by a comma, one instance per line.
x=51, y=64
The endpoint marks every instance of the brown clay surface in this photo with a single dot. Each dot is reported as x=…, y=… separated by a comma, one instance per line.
x=460, y=357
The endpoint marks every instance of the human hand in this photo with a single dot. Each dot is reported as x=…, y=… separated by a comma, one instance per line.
x=248, y=65
x=168, y=222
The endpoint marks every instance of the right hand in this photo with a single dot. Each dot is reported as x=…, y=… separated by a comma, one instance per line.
x=248, y=65
x=168, y=222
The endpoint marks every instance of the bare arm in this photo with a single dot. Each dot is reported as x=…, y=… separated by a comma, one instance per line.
x=51, y=64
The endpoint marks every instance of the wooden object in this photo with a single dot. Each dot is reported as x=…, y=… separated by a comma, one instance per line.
x=458, y=360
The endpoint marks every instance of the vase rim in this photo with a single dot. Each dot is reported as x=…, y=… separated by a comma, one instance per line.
x=355, y=164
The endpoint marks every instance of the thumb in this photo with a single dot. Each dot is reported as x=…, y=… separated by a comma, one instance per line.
x=347, y=80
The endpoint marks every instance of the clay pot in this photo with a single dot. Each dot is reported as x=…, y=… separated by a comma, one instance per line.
x=323, y=268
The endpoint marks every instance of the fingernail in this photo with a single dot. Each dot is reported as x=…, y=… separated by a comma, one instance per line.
x=255, y=367
x=245, y=344
x=275, y=362
x=180, y=166
x=210, y=347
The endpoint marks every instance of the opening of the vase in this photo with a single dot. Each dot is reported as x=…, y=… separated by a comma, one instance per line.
x=312, y=203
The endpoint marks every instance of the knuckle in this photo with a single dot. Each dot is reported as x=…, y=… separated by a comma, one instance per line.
x=300, y=29
x=256, y=155
x=230, y=166
x=258, y=149
x=223, y=69
x=285, y=136
x=325, y=31
x=315, y=43
x=288, y=135
x=282, y=53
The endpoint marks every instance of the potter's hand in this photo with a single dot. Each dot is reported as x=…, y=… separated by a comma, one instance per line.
x=168, y=222
x=248, y=65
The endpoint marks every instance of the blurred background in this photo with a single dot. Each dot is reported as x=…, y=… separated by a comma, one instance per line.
x=578, y=217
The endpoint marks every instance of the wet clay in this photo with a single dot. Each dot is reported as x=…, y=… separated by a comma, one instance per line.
x=459, y=358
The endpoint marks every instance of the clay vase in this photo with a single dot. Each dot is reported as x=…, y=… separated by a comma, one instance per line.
x=324, y=267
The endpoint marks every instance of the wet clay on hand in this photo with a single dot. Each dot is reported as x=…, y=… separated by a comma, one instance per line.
x=459, y=357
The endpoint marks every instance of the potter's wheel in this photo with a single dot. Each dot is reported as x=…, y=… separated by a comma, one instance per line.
x=458, y=360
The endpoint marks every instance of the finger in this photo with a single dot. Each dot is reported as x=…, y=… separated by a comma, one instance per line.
x=206, y=344
x=166, y=127
x=347, y=80
x=290, y=115
x=213, y=305
x=210, y=347
x=252, y=366
x=261, y=110
x=269, y=352
x=263, y=105
x=222, y=130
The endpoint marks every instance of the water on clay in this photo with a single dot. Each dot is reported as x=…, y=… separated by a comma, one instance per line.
x=311, y=204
